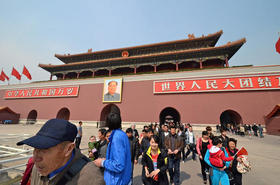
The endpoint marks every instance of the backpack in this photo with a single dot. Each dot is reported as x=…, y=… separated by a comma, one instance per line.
x=73, y=170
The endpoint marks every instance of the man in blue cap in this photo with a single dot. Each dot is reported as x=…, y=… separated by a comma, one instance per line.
x=56, y=160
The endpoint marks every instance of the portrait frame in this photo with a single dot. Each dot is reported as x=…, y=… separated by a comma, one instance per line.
x=117, y=96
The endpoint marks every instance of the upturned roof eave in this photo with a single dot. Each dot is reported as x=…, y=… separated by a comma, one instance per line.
x=215, y=36
x=229, y=45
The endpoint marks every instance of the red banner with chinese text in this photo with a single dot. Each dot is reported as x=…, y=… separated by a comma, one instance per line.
x=267, y=82
x=42, y=92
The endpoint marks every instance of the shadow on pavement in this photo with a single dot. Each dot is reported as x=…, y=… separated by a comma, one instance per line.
x=199, y=175
x=184, y=176
x=137, y=180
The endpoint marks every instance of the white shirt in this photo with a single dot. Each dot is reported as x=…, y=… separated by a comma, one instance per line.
x=191, y=137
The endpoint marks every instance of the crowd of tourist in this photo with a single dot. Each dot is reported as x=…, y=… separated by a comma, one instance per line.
x=160, y=149
x=244, y=129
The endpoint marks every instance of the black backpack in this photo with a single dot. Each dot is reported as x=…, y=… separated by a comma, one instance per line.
x=73, y=170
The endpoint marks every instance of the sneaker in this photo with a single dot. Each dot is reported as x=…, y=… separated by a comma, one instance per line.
x=205, y=181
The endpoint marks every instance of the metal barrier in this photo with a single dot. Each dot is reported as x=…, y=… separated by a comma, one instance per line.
x=19, y=159
x=14, y=154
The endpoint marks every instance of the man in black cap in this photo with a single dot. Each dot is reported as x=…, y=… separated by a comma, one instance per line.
x=57, y=162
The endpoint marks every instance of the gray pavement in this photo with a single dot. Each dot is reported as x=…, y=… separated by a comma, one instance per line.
x=264, y=154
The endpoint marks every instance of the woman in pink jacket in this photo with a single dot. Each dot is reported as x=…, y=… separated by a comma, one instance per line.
x=201, y=148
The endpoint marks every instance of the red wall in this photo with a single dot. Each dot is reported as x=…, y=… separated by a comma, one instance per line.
x=139, y=104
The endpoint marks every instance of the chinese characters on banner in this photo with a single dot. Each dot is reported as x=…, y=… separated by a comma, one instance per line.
x=42, y=92
x=267, y=82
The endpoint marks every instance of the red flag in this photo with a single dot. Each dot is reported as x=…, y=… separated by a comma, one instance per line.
x=26, y=73
x=2, y=78
x=242, y=151
x=3, y=74
x=277, y=46
x=16, y=73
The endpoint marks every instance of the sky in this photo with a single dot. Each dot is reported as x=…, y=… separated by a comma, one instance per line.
x=32, y=32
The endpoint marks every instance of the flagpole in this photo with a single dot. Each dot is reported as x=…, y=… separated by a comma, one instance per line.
x=20, y=78
x=1, y=74
x=8, y=80
x=11, y=73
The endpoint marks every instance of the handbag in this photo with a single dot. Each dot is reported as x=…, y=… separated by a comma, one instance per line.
x=244, y=166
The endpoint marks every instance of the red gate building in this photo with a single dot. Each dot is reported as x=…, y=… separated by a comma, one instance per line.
x=189, y=80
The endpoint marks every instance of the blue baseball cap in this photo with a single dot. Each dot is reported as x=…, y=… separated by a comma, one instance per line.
x=53, y=132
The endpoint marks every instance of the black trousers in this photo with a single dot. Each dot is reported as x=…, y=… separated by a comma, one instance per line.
x=237, y=179
x=183, y=154
x=204, y=166
x=78, y=142
x=191, y=149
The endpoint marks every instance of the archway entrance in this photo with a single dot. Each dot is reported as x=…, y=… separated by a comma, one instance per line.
x=169, y=114
x=105, y=111
x=230, y=117
x=63, y=113
x=32, y=117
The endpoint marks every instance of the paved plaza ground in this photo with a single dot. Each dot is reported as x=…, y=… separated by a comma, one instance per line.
x=264, y=154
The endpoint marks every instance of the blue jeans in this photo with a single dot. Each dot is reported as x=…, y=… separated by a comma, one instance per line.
x=174, y=170
x=261, y=133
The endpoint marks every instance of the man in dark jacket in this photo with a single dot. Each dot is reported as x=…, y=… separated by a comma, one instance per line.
x=56, y=160
x=145, y=142
x=102, y=143
x=144, y=145
x=255, y=129
x=135, y=132
x=174, y=145
x=224, y=137
x=162, y=134
x=134, y=149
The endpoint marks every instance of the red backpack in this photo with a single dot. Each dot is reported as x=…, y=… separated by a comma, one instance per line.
x=27, y=173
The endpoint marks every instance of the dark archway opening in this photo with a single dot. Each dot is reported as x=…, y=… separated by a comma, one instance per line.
x=32, y=117
x=230, y=117
x=63, y=113
x=105, y=111
x=169, y=114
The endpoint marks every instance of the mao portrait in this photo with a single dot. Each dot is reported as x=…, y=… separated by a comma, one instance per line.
x=112, y=90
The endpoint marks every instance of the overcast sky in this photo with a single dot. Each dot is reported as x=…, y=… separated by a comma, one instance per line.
x=32, y=31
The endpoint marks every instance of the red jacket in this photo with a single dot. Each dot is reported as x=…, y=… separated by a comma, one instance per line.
x=217, y=157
